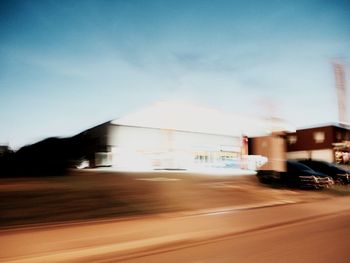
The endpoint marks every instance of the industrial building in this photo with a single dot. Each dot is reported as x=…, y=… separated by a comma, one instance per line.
x=175, y=136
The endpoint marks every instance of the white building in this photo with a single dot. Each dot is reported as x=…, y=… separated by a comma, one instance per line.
x=176, y=136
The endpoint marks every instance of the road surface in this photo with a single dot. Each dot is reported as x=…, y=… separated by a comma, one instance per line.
x=305, y=232
x=318, y=240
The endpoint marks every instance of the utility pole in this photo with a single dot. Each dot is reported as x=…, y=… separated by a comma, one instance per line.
x=340, y=84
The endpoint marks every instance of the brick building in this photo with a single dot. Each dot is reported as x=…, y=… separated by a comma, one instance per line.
x=325, y=142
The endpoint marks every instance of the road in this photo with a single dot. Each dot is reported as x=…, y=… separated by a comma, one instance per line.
x=318, y=231
x=318, y=240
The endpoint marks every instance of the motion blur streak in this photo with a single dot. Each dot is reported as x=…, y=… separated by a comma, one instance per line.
x=317, y=230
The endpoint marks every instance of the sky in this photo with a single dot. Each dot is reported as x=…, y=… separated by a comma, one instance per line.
x=66, y=66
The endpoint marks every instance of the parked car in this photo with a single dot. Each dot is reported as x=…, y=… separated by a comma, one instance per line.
x=339, y=175
x=297, y=175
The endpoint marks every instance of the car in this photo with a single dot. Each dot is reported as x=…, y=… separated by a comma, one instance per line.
x=303, y=176
x=297, y=175
x=339, y=174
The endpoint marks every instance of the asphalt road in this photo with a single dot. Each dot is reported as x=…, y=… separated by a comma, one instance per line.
x=318, y=240
x=304, y=232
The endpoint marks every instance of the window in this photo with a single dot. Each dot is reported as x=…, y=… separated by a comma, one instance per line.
x=292, y=139
x=339, y=136
x=319, y=137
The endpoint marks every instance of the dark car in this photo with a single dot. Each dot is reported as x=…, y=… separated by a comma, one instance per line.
x=339, y=175
x=297, y=175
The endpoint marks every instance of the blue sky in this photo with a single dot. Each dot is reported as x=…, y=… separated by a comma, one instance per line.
x=68, y=65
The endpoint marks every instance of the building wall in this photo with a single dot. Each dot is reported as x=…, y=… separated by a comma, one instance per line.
x=310, y=139
x=158, y=148
x=324, y=155
x=340, y=134
x=316, y=143
x=92, y=144
x=274, y=148
x=295, y=155
x=316, y=138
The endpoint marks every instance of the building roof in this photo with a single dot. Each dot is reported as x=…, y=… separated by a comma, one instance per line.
x=187, y=117
x=343, y=125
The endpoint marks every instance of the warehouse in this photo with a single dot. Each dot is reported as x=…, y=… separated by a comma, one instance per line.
x=174, y=136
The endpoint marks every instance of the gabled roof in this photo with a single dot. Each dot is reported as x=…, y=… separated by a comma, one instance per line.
x=187, y=117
